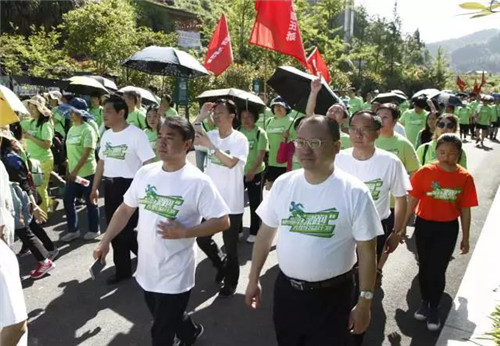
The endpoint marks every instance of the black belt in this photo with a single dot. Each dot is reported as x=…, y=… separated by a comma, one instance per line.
x=301, y=285
x=117, y=179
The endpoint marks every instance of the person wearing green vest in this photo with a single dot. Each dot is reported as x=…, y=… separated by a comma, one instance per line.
x=483, y=115
x=464, y=119
x=81, y=142
x=153, y=124
x=166, y=107
x=495, y=123
x=255, y=166
x=96, y=108
x=135, y=116
x=414, y=119
x=39, y=132
x=278, y=129
x=446, y=123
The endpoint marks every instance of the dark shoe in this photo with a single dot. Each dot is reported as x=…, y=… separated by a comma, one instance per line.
x=198, y=332
x=422, y=312
x=433, y=323
x=113, y=280
x=227, y=291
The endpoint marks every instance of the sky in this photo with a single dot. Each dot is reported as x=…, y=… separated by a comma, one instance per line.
x=437, y=20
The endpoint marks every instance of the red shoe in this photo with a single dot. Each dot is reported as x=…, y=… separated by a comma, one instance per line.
x=42, y=269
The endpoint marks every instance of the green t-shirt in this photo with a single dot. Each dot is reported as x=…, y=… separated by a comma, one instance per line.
x=430, y=155
x=275, y=128
x=355, y=104
x=44, y=133
x=345, y=141
x=485, y=114
x=59, y=121
x=403, y=107
x=81, y=137
x=94, y=127
x=264, y=117
x=153, y=138
x=171, y=112
x=495, y=112
x=402, y=148
x=463, y=114
x=257, y=141
x=97, y=113
x=137, y=118
x=367, y=106
x=413, y=123
x=473, y=105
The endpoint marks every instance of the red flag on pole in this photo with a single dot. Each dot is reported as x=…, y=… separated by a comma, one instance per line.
x=461, y=84
x=477, y=88
x=220, y=53
x=315, y=64
x=276, y=28
x=483, y=81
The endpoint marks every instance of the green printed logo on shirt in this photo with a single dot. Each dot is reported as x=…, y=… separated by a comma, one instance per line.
x=320, y=224
x=374, y=186
x=115, y=152
x=161, y=205
x=444, y=194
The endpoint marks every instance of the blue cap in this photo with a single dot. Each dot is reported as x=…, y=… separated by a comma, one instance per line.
x=76, y=105
x=280, y=102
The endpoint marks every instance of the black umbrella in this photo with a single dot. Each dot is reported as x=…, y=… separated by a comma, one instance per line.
x=389, y=98
x=447, y=99
x=166, y=61
x=85, y=86
x=294, y=86
x=428, y=93
x=243, y=99
x=108, y=83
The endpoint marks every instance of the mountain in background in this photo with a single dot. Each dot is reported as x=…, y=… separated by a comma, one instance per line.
x=477, y=51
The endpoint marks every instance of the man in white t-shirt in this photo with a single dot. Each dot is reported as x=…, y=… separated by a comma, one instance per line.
x=172, y=197
x=322, y=215
x=227, y=155
x=124, y=149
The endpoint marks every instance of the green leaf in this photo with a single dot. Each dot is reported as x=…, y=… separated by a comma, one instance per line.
x=473, y=6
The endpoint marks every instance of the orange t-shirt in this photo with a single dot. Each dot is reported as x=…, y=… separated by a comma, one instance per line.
x=442, y=194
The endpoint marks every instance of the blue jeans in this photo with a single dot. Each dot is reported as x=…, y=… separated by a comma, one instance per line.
x=70, y=193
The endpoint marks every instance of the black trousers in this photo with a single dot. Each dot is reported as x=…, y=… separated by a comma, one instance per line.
x=31, y=242
x=317, y=317
x=126, y=240
x=383, y=237
x=435, y=244
x=42, y=235
x=254, y=189
x=170, y=318
x=230, y=237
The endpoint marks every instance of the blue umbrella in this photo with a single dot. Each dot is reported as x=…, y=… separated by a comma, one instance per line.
x=166, y=61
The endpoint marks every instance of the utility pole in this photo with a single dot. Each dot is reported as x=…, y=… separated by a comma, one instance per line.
x=348, y=20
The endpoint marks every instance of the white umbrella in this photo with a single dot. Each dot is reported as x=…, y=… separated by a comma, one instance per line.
x=9, y=105
x=85, y=86
x=145, y=94
x=108, y=83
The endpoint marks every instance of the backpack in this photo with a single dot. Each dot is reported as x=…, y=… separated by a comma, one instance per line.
x=21, y=204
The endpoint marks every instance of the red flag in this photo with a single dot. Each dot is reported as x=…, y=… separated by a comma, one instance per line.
x=483, y=81
x=477, y=88
x=461, y=84
x=276, y=27
x=315, y=64
x=219, y=54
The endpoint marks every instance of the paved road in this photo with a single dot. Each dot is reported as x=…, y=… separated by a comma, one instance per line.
x=69, y=308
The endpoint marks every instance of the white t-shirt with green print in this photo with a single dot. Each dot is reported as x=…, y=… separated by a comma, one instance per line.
x=318, y=225
x=383, y=174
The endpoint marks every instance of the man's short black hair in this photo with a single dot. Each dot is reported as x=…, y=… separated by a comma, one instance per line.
x=377, y=121
x=182, y=125
x=332, y=125
x=118, y=104
x=392, y=108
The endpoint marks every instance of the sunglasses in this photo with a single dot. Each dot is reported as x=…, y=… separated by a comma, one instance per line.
x=442, y=125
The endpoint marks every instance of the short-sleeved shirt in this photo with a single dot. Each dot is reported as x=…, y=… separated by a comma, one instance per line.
x=473, y=106
x=431, y=156
x=383, y=174
x=495, y=112
x=275, y=128
x=186, y=195
x=257, y=141
x=413, y=123
x=153, y=139
x=97, y=113
x=464, y=115
x=59, y=121
x=442, y=194
x=318, y=225
x=44, y=133
x=81, y=137
x=485, y=114
x=124, y=152
x=264, y=118
x=229, y=181
x=345, y=141
x=355, y=104
x=171, y=112
x=137, y=118
x=402, y=148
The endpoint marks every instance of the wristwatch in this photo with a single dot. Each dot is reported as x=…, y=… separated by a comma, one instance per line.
x=366, y=294
x=212, y=151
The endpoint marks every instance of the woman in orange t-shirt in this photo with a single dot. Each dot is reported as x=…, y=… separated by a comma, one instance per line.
x=442, y=192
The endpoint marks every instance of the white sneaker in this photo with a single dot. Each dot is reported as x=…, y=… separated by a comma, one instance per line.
x=91, y=235
x=251, y=239
x=70, y=236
